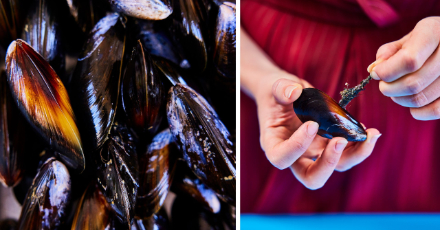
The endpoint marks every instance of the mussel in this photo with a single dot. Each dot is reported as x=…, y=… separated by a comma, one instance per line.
x=47, y=198
x=8, y=224
x=156, y=171
x=189, y=29
x=43, y=100
x=225, y=40
x=158, y=41
x=118, y=176
x=11, y=23
x=42, y=31
x=204, y=140
x=142, y=92
x=12, y=132
x=143, y=9
x=93, y=211
x=333, y=120
x=96, y=81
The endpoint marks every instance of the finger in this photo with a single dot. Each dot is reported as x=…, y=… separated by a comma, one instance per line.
x=416, y=82
x=359, y=152
x=314, y=174
x=421, y=43
x=428, y=95
x=286, y=91
x=283, y=153
x=389, y=49
x=428, y=112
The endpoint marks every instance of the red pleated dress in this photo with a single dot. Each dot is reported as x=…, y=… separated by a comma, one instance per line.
x=329, y=43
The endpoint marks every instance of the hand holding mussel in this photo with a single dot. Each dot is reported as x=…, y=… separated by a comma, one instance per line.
x=333, y=120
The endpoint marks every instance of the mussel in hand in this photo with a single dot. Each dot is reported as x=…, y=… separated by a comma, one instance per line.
x=204, y=140
x=333, y=120
x=47, y=198
x=43, y=99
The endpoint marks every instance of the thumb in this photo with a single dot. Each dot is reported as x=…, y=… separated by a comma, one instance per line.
x=286, y=91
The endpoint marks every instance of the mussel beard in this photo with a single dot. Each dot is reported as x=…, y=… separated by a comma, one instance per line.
x=118, y=177
x=203, y=139
x=143, y=9
x=225, y=40
x=47, y=198
x=333, y=120
x=96, y=81
x=156, y=171
x=43, y=100
x=142, y=93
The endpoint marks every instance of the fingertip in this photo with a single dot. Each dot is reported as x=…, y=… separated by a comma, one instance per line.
x=373, y=135
x=286, y=91
x=312, y=128
x=340, y=144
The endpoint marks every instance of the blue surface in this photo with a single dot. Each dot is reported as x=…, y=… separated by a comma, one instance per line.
x=341, y=221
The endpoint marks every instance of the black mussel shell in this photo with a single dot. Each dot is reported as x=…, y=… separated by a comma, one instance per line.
x=193, y=188
x=143, y=9
x=11, y=23
x=42, y=31
x=142, y=93
x=12, y=136
x=204, y=140
x=96, y=81
x=333, y=120
x=225, y=40
x=158, y=41
x=159, y=221
x=87, y=13
x=189, y=29
x=8, y=224
x=43, y=99
x=118, y=177
x=169, y=70
x=156, y=171
x=93, y=212
x=44, y=207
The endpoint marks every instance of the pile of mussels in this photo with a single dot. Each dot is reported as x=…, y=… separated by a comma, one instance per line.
x=111, y=108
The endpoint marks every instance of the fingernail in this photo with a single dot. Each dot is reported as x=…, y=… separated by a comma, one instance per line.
x=370, y=67
x=374, y=138
x=374, y=64
x=289, y=90
x=312, y=128
x=340, y=145
x=365, y=127
x=374, y=75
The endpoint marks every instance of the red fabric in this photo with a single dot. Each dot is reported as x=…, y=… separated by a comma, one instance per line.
x=329, y=43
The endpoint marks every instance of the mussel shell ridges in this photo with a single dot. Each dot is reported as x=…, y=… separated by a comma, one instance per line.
x=142, y=92
x=44, y=102
x=204, y=140
x=156, y=171
x=47, y=198
x=225, y=40
x=333, y=120
x=96, y=81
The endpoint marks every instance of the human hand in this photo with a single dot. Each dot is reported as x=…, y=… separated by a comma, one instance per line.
x=288, y=142
x=409, y=70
